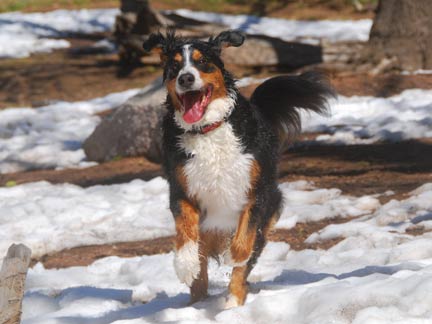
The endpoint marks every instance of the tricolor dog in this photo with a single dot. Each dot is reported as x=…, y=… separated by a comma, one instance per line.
x=221, y=153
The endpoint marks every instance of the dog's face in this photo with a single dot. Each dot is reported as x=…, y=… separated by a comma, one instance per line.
x=195, y=76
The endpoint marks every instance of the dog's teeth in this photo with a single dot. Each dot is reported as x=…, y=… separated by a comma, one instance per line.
x=202, y=99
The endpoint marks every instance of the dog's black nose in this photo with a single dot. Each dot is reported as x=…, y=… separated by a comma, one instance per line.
x=186, y=80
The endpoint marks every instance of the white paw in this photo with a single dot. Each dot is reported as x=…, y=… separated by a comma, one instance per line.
x=231, y=302
x=228, y=260
x=187, y=263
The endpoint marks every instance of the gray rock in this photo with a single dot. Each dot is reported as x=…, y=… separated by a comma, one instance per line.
x=133, y=129
x=267, y=51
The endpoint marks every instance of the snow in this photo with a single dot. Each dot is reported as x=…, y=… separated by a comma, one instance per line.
x=416, y=72
x=51, y=136
x=365, y=120
x=288, y=30
x=27, y=33
x=376, y=274
x=65, y=215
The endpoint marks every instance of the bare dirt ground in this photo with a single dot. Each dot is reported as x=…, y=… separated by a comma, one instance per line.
x=76, y=74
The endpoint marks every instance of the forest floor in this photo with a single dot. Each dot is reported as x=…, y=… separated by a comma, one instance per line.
x=357, y=170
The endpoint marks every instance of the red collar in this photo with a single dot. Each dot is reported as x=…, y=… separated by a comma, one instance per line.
x=207, y=128
x=210, y=127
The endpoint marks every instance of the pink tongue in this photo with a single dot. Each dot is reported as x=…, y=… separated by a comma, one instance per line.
x=194, y=109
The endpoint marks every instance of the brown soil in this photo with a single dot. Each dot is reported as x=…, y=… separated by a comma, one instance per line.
x=66, y=75
x=72, y=76
x=305, y=9
x=123, y=170
x=362, y=169
x=355, y=169
x=85, y=255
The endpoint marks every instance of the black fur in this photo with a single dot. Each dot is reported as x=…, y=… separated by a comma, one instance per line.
x=279, y=99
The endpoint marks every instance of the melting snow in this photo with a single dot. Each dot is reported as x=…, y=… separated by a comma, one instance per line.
x=52, y=136
x=288, y=30
x=64, y=215
x=27, y=33
x=377, y=274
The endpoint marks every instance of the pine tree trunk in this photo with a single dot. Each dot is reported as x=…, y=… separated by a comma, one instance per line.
x=402, y=29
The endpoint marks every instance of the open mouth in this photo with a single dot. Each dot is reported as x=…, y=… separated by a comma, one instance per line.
x=195, y=103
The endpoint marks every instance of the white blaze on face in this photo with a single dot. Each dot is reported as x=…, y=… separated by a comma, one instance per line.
x=188, y=67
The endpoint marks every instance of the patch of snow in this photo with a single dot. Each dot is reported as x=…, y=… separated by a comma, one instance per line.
x=64, y=215
x=51, y=136
x=27, y=33
x=376, y=274
x=416, y=72
x=288, y=30
x=50, y=217
x=364, y=120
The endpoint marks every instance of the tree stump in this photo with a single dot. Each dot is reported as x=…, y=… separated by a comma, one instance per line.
x=12, y=280
x=137, y=19
x=402, y=30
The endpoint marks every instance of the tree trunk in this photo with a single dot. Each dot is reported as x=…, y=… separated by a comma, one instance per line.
x=402, y=29
x=137, y=18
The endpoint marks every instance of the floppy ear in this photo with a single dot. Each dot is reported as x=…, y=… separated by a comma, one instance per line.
x=228, y=38
x=156, y=44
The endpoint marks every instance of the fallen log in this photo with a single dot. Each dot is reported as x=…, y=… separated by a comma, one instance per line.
x=12, y=280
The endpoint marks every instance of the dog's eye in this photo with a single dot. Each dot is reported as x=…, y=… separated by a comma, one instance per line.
x=176, y=65
x=202, y=61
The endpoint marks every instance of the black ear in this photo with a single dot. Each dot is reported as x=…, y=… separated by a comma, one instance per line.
x=155, y=43
x=228, y=38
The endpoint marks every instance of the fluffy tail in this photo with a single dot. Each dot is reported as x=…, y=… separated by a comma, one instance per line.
x=280, y=99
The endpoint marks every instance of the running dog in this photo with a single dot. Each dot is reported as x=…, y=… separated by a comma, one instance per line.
x=221, y=153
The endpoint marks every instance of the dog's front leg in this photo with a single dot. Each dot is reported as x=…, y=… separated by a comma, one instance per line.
x=187, y=259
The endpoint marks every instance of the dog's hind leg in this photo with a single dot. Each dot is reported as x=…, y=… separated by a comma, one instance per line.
x=238, y=287
x=238, y=255
x=248, y=243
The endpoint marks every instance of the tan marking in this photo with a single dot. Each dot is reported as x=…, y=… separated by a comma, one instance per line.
x=178, y=57
x=270, y=225
x=243, y=241
x=171, y=88
x=255, y=172
x=238, y=286
x=196, y=55
x=216, y=79
x=214, y=242
x=186, y=224
x=159, y=51
x=199, y=287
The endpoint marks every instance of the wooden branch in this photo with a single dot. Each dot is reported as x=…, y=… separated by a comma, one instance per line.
x=12, y=280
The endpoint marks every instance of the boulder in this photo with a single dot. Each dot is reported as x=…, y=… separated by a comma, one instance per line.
x=132, y=129
x=260, y=51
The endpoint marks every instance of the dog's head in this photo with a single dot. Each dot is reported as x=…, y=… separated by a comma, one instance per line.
x=200, y=89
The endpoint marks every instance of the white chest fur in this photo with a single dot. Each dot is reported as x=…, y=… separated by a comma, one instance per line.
x=218, y=176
